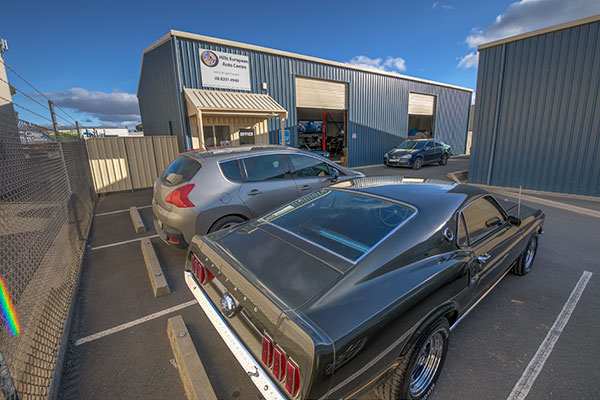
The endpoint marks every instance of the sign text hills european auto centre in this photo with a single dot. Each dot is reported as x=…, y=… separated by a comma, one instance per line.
x=224, y=70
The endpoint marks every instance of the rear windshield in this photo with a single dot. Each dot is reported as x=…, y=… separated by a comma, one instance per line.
x=182, y=169
x=347, y=223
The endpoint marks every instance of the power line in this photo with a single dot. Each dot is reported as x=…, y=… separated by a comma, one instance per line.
x=26, y=109
x=44, y=106
x=33, y=87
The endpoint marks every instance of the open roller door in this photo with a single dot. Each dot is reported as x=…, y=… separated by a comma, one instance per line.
x=421, y=115
x=322, y=117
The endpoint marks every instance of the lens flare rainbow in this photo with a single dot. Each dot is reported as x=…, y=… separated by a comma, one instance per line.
x=9, y=314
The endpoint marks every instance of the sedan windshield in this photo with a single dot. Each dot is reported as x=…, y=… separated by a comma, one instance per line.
x=349, y=224
x=412, y=145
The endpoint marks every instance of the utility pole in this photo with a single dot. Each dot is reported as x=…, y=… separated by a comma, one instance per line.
x=53, y=115
x=77, y=127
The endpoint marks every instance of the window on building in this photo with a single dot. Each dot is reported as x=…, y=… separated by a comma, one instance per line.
x=217, y=136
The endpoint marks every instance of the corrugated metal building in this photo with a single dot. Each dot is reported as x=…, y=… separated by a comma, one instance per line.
x=307, y=101
x=537, y=112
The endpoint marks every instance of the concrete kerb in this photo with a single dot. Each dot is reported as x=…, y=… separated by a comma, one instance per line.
x=136, y=220
x=159, y=284
x=192, y=373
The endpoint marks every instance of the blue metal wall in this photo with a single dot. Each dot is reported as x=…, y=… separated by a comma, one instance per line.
x=537, y=121
x=158, y=94
x=377, y=105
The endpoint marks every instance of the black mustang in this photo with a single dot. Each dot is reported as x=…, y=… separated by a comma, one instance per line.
x=357, y=286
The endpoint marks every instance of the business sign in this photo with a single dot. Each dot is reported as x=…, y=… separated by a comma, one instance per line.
x=224, y=70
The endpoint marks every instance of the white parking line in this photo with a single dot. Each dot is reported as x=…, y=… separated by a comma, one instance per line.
x=523, y=386
x=104, y=246
x=119, y=211
x=133, y=323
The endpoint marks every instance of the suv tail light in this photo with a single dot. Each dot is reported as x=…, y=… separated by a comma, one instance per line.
x=201, y=272
x=179, y=197
x=292, y=382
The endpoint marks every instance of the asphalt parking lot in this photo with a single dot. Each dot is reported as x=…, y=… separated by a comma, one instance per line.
x=119, y=348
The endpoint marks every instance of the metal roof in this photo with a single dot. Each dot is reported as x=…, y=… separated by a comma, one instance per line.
x=233, y=102
x=240, y=45
x=542, y=31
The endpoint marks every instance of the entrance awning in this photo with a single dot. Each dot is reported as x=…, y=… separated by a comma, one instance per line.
x=216, y=102
x=240, y=109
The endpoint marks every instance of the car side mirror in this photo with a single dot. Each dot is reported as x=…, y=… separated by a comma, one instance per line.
x=516, y=221
x=335, y=174
x=494, y=221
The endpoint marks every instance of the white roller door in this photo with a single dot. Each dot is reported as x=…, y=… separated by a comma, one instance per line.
x=313, y=93
x=421, y=104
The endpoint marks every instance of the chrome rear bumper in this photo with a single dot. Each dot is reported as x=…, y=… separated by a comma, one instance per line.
x=259, y=377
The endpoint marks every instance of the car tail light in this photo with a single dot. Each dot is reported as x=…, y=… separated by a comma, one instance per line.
x=282, y=367
x=292, y=383
x=267, y=351
x=279, y=363
x=179, y=197
x=173, y=239
x=202, y=273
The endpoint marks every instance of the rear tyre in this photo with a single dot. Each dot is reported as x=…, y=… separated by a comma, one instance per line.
x=418, y=163
x=226, y=222
x=525, y=261
x=444, y=159
x=417, y=372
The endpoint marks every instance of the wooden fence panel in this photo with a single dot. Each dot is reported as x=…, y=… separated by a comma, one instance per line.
x=127, y=163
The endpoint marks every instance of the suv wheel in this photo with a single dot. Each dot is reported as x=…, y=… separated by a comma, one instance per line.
x=226, y=222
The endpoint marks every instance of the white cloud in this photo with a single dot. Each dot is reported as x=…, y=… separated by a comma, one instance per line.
x=389, y=64
x=528, y=15
x=469, y=60
x=114, y=108
x=442, y=5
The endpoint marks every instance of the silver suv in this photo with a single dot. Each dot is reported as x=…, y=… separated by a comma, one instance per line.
x=202, y=192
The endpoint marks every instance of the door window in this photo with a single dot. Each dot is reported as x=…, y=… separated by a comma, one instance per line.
x=482, y=217
x=267, y=167
x=217, y=136
x=231, y=170
x=461, y=236
x=309, y=167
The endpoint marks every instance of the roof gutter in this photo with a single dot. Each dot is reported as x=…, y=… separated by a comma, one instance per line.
x=240, y=45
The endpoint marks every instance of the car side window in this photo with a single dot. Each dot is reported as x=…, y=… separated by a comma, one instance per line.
x=231, y=170
x=482, y=217
x=267, y=167
x=461, y=232
x=309, y=167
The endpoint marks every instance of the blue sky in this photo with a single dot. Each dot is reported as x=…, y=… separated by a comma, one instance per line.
x=86, y=56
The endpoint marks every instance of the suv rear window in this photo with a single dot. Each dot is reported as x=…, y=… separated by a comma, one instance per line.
x=182, y=169
x=348, y=223
x=231, y=170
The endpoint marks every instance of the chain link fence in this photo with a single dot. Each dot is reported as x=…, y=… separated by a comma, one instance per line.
x=46, y=208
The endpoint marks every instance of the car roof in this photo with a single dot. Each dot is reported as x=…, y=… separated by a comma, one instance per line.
x=418, y=192
x=239, y=151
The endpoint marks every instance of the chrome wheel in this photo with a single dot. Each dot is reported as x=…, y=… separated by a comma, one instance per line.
x=530, y=253
x=427, y=365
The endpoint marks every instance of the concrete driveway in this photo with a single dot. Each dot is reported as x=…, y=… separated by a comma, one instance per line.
x=119, y=346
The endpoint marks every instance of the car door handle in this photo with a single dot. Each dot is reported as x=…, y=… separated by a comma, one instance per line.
x=254, y=192
x=482, y=259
